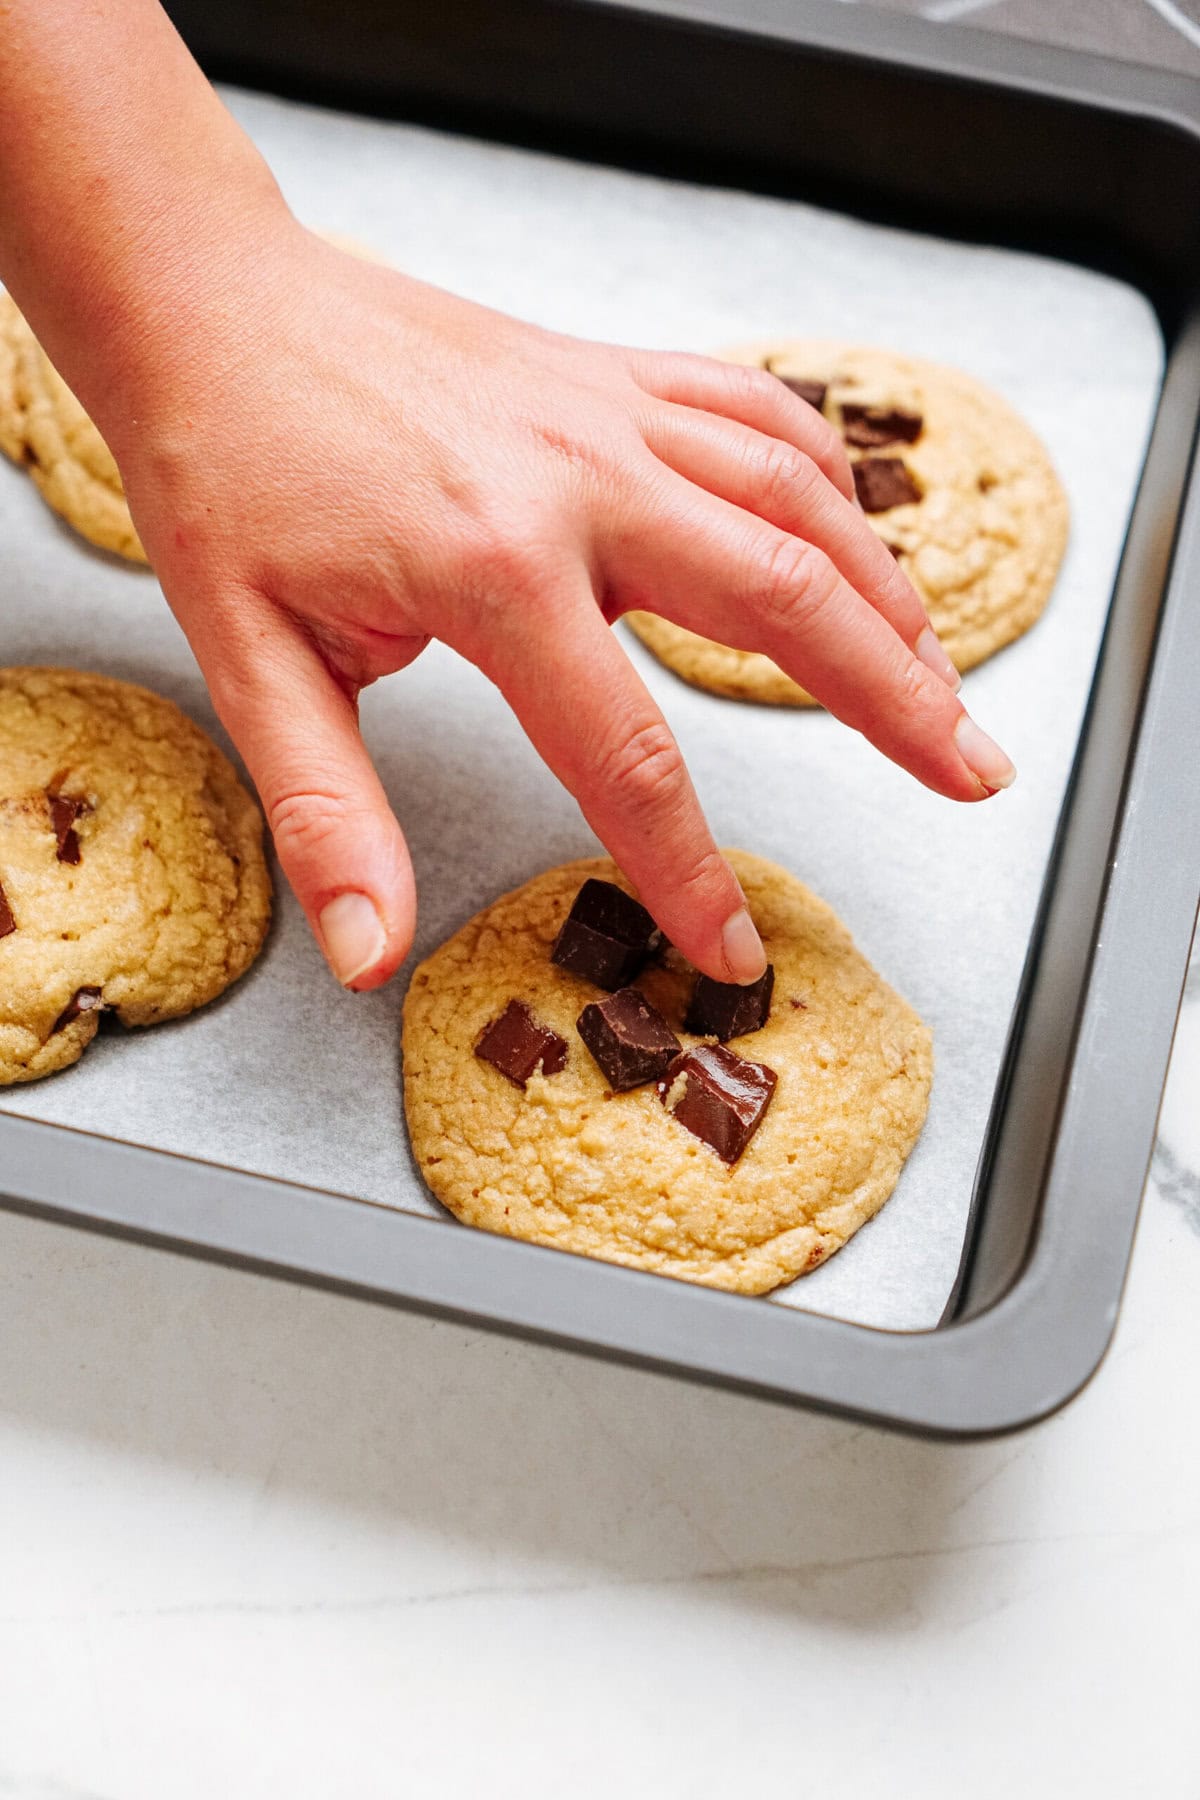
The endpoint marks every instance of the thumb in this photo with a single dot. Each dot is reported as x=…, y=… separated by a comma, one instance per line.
x=335, y=834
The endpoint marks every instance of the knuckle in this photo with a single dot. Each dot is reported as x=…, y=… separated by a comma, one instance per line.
x=915, y=690
x=304, y=822
x=785, y=477
x=504, y=560
x=748, y=387
x=707, y=880
x=642, y=765
x=799, y=582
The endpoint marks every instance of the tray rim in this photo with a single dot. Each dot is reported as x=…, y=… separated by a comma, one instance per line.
x=1016, y=1359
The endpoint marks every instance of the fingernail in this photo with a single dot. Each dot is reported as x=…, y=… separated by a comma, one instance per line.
x=741, y=948
x=985, y=759
x=929, y=649
x=353, y=935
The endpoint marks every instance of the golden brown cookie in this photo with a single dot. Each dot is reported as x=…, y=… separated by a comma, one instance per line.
x=45, y=429
x=981, y=538
x=566, y=1162
x=132, y=875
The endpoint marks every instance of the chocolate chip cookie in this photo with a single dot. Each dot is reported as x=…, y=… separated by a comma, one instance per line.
x=735, y=1139
x=952, y=479
x=132, y=875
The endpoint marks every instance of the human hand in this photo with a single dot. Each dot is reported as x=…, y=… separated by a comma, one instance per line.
x=333, y=463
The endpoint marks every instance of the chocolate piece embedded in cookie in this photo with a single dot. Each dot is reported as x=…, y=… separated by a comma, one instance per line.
x=83, y=1000
x=882, y=482
x=721, y=1098
x=64, y=810
x=725, y=1009
x=7, y=923
x=606, y=937
x=516, y=1044
x=870, y=427
x=629, y=1038
x=812, y=391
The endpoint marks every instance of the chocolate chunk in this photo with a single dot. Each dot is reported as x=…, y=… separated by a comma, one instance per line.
x=721, y=1098
x=606, y=936
x=64, y=810
x=7, y=923
x=724, y=1009
x=896, y=549
x=812, y=391
x=85, y=999
x=515, y=1044
x=870, y=427
x=629, y=1038
x=882, y=482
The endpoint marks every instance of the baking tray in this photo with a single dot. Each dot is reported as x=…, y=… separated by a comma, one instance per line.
x=856, y=111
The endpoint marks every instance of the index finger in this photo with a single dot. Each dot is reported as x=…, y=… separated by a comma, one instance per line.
x=594, y=723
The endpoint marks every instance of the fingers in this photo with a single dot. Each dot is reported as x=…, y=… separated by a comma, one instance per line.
x=784, y=486
x=753, y=397
x=591, y=719
x=735, y=578
x=335, y=834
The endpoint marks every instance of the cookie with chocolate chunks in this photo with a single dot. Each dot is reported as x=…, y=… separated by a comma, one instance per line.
x=132, y=875
x=958, y=486
x=740, y=1184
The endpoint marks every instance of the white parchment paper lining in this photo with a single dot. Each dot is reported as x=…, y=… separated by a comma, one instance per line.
x=289, y=1077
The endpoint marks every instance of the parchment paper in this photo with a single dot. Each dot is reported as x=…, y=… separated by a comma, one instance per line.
x=289, y=1077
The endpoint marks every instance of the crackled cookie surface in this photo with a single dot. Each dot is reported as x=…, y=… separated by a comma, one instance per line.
x=132, y=875
x=953, y=480
x=565, y=1161
x=45, y=429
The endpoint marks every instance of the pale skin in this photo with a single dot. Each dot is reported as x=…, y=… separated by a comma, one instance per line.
x=318, y=502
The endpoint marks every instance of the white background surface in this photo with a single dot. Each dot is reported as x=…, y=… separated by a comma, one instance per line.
x=259, y=1540
x=255, y=1540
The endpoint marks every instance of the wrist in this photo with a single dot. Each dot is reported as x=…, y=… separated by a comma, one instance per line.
x=146, y=298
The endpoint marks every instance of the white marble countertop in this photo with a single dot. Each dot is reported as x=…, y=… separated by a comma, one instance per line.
x=261, y=1540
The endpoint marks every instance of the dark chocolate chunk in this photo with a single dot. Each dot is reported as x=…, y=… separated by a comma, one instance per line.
x=629, y=1038
x=606, y=937
x=720, y=1098
x=64, y=810
x=870, y=427
x=724, y=1009
x=515, y=1044
x=7, y=923
x=882, y=482
x=812, y=391
x=85, y=999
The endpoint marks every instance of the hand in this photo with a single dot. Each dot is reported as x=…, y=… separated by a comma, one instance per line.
x=330, y=463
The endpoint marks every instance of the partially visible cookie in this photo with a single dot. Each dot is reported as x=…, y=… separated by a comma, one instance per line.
x=566, y=1161
x=953, y=480
x=45, y=429
x=132, y=875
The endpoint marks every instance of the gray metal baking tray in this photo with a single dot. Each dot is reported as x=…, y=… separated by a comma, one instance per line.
x=949, y=131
